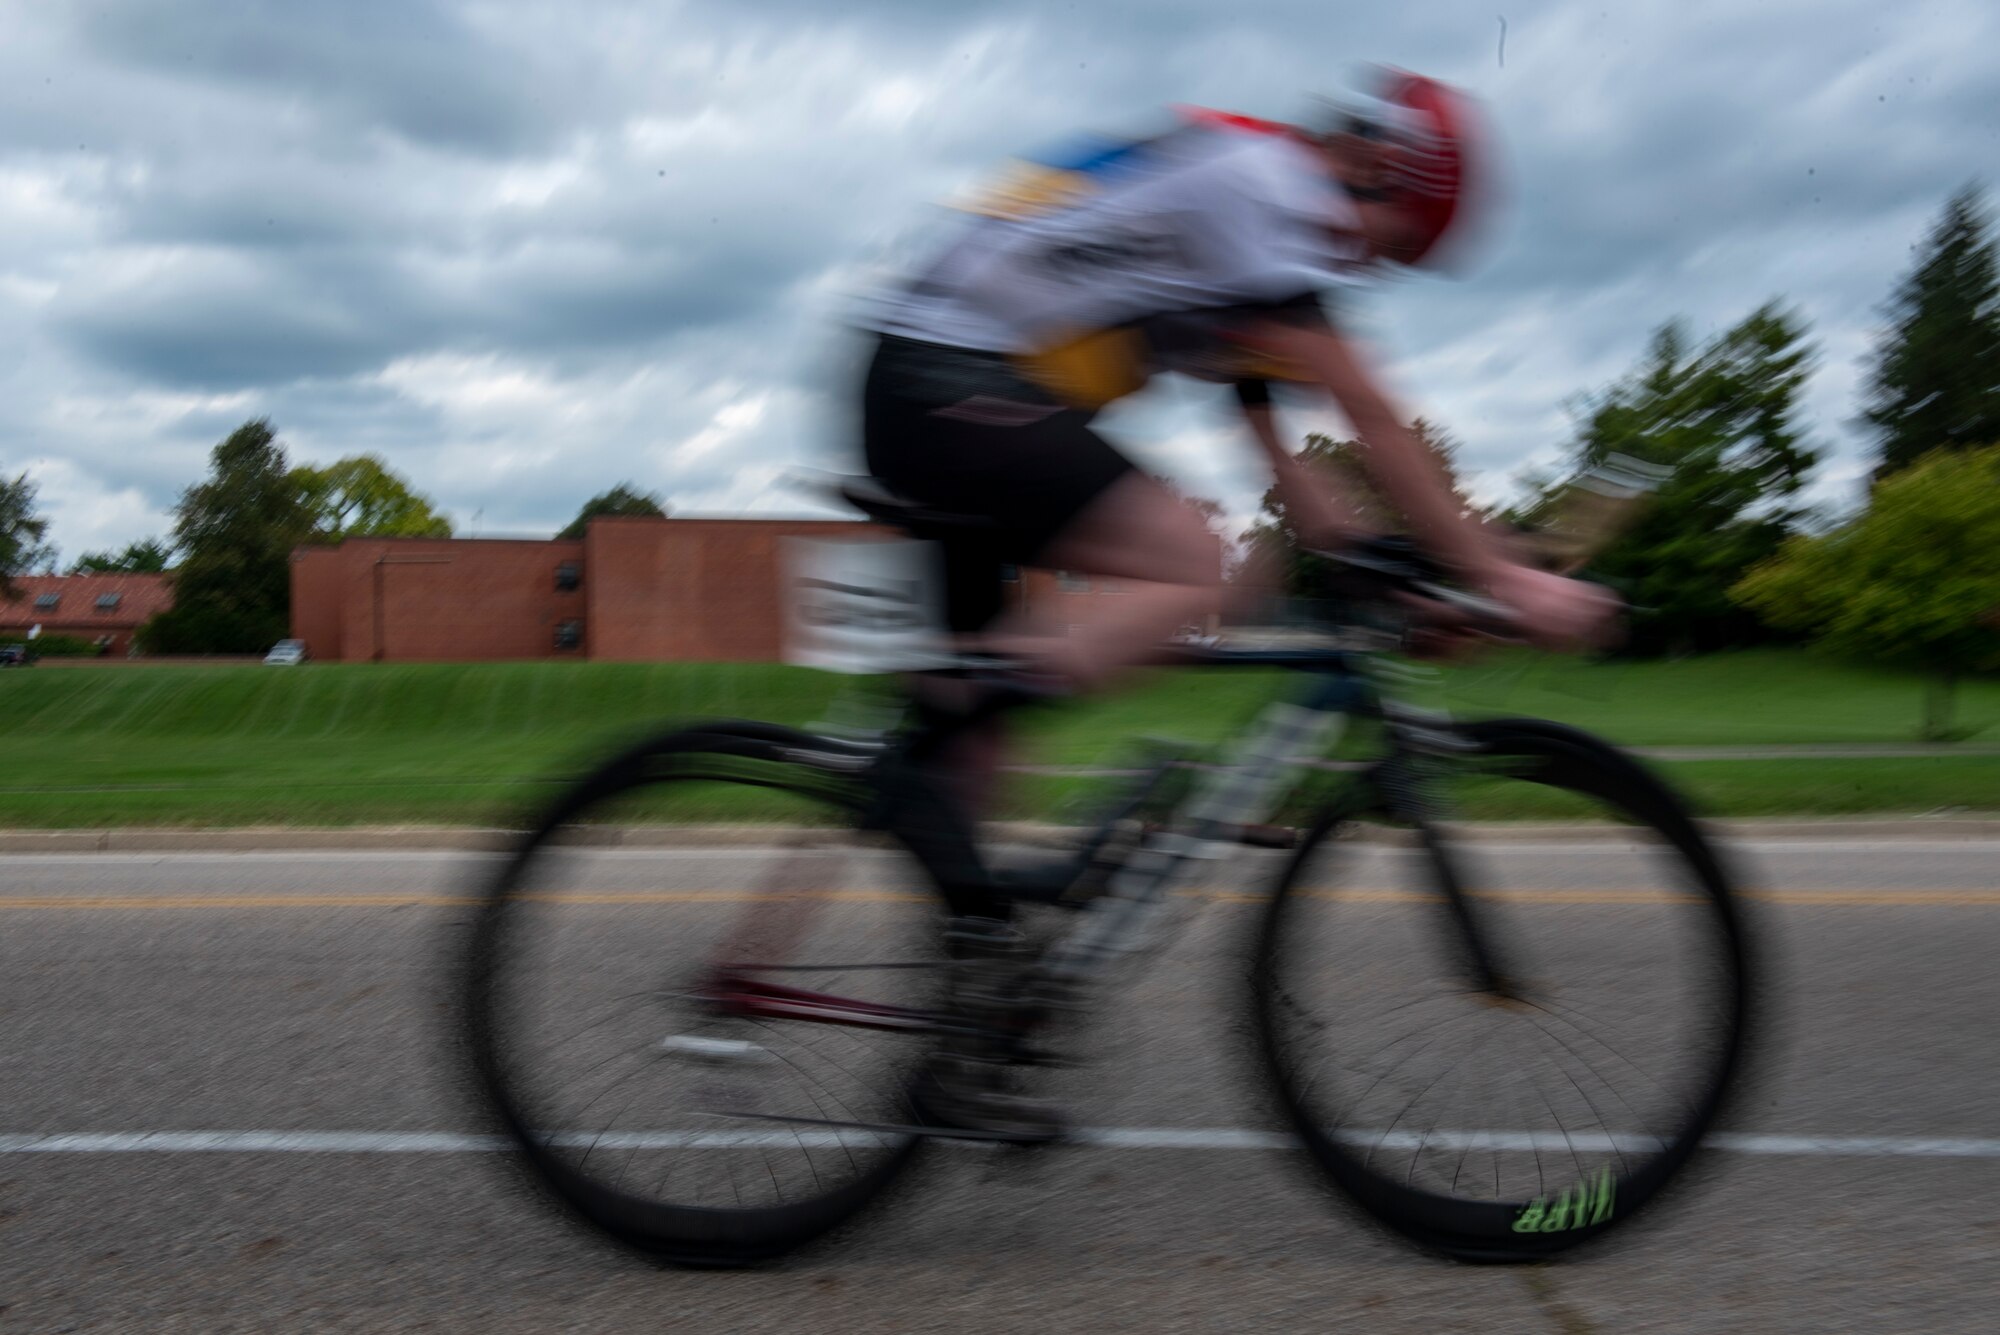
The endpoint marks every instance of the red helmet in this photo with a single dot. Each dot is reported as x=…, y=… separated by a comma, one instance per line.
x=1429, y=164
x=1430, y=137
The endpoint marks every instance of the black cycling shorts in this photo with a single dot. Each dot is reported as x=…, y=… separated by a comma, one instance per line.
x=964, y=433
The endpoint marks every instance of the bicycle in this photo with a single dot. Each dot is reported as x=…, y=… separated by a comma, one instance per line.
x=717, y=1075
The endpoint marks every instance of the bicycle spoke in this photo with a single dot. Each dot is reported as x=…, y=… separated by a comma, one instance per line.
x=1603, y=1059
x=578, y=1006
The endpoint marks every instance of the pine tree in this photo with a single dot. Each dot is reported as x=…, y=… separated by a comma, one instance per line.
x=1935, y=381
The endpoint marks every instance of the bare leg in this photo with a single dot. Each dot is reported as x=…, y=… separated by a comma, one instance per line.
x=1170, y=565
x=1158, y=548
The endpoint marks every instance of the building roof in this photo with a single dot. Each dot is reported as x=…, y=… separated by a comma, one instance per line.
x=139, y=598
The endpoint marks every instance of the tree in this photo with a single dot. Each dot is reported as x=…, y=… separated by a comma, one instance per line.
x=1272, y=541
x=1935, y=378
x=236, y=532
x=147, y=556
x=1723, y=420
x=21, y=534
x=359, y=496
x=622, y=499
x=1915, y=580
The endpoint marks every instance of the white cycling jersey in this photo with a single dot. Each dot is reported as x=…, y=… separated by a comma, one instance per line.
x=1065, y=268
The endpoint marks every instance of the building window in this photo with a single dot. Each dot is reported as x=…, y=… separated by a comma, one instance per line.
x=568, y=577
x=1070, y=582
x=107, y=602
x=569, y=634
x=46, y=601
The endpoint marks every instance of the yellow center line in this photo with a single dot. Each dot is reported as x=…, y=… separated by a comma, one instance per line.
x=1945, y=898
x=1869, y=897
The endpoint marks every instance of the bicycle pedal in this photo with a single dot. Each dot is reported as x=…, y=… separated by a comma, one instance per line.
x=966, y=1096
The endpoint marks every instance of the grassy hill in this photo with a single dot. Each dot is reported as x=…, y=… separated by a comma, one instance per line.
x=344, y=743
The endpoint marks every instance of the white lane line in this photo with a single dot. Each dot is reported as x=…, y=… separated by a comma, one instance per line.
x=1113, y=1138
x=1906, y=1147
x=248, y=1142
x=1803, y=844
x=292, y=856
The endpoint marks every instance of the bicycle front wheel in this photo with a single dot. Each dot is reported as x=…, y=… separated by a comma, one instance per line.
x=1504, y=1049
x=703, y=1046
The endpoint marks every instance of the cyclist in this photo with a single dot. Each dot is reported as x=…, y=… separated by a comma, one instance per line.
x=1210, y=250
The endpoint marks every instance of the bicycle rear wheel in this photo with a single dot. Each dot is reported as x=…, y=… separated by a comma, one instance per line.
x=705, y=1051
x=1508, y=1122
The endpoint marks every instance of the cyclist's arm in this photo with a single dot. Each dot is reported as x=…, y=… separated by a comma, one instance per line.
x=1553, y=611
x=1394, y=455
x=1310, y=501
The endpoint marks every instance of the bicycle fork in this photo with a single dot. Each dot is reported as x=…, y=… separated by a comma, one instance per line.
x=1405, y=792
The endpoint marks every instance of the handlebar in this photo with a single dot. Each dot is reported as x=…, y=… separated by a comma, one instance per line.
x=1379, y=568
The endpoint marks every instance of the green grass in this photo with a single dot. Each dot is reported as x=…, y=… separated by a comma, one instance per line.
x=420, y=743
x=1766, y=697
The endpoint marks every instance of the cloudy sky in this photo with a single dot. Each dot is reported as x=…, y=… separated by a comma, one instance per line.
x=527, y=250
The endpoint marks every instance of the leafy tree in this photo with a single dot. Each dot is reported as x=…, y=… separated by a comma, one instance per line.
x=236, y=532
x=622, y=499
x=1915, y=580
x=147, y=556
x=359, y=496
x=1723, y=419
x=21, y=534
x=1935, y=381
x=1272, y=541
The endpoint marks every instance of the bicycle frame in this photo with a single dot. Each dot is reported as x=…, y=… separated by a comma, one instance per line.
x=1286, y=737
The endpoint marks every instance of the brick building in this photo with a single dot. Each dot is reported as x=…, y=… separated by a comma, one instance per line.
x=632, y=588
x=102, y=609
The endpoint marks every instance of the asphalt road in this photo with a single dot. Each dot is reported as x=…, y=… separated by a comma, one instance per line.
x=292, y=1007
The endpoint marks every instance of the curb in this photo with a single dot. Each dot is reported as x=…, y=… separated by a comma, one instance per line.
x=448, y=839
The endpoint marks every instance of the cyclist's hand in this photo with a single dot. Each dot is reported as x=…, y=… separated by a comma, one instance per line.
x=1554, y=612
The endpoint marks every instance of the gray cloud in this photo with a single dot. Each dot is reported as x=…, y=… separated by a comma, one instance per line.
x=526, y=250
x=410, y=67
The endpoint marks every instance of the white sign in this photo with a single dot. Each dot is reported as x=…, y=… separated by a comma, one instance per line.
x=864, y=606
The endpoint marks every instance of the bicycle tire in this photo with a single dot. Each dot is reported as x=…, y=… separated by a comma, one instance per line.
x=1682, y=970
x=535, y=951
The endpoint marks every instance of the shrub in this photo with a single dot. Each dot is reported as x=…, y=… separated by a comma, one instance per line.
x=211, y=630
x=54, y=646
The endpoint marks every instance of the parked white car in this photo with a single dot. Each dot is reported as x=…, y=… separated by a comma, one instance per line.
x=286, y=653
